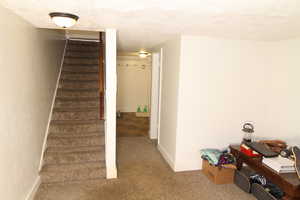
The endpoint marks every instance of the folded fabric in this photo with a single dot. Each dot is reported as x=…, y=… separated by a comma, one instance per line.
x=226, y=158
x=211, y=155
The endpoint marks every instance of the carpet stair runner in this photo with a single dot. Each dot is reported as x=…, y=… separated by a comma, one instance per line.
x=75, y=144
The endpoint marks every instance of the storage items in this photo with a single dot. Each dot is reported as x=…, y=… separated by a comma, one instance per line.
x=248, y=130
x=242, y=179
x=248, y=151
x=280, y=164
x=217, y=175
x=250, y=182
x=261, y=193
x=212, y=155
x=261, y=149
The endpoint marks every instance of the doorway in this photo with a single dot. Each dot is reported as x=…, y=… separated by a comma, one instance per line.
x=133, y=94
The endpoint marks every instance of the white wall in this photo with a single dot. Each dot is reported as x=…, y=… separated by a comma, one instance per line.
x=110, y=102
x=224, y=83
x=29, y=60
x=134, y=82
x=169, y=94
x=90, y=35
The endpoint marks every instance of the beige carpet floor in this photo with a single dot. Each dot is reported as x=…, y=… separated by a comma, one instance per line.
x=143, y=175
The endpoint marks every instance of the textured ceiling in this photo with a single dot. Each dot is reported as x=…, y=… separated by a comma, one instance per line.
x=146, y=23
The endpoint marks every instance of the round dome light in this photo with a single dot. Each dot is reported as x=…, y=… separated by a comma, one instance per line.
x=143, y=54
x=64, y=20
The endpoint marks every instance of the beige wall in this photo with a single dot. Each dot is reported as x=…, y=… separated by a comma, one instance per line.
x=169, y=96
x=211, y=86
x=134, y=82
x=29, y=64
x=224, y=83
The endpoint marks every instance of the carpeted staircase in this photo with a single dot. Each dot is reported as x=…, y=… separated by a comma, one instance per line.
x=75, y=143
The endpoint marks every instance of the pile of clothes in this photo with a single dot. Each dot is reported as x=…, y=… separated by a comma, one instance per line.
x=217, y=157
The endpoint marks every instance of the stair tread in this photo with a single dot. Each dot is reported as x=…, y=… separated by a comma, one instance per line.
x=76, y=81
x=81, y=57
x=79, y=80
x=73, y=172
x=89, y=109
x=69, y=50
x=80, y=65
x=75, y=142
x=79, y=90
x=77, y=98
x=83, y=47
x=75, y=138
x=81, y=73
x=68, y=122
x=75, y=149
x=78, y=43
x=74, y=157
x=67, y=167
x=74, y=134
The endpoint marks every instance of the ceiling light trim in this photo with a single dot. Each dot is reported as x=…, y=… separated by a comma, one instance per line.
x=70, y=19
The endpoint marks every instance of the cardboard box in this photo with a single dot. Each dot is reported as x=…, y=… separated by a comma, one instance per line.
x=217, y=175
x=142, y=114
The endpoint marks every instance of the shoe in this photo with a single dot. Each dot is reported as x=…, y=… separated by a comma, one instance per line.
x=296, y=152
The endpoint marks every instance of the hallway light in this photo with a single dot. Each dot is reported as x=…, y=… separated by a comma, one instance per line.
x=64, y=20
x=143, y=54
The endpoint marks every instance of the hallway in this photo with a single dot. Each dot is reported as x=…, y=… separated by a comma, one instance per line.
x=143, y=174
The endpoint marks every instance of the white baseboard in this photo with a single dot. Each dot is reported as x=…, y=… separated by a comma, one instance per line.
x=152, y=136
x=166, y=156
x=52, y=106
x=111, y=173
x=33, y=190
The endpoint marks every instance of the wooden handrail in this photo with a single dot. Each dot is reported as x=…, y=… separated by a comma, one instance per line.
x=101, y=72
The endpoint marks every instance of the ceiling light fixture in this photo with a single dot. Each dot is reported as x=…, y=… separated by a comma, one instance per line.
x=143, y=54
x=64, y=20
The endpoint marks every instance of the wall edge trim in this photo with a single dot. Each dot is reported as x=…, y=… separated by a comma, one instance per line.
x=33, y=190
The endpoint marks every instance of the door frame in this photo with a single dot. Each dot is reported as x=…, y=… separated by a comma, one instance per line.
x=156, y=80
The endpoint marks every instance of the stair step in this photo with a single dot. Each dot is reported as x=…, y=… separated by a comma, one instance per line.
x=76, y=122
x=75, y=114
x=80, y=68
x=82, y=51
x=81, y=60
x=77, y=93
x=77, y=102
x=78, y=42
x=75, y=149
x=75, y=84
x=76, y=134
x=66, y=128
x=79, y=73
x=80, y=77
x=72, y=47
x=73, y=157
x=75, y=141
x=92, y=54
x=73, y=172
x=88, y=56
